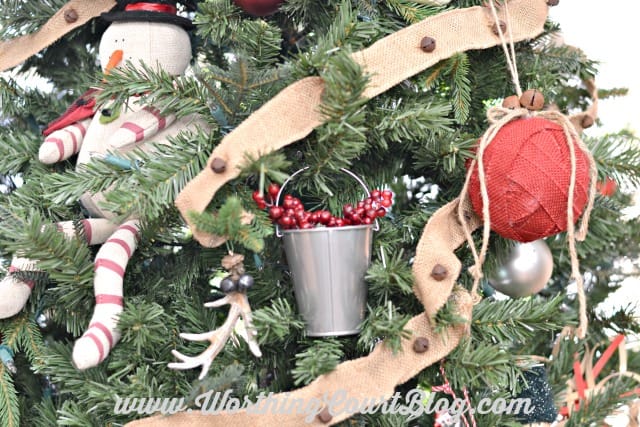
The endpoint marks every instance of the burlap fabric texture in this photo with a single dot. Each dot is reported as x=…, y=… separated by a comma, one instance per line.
x=74, y=14
x=389, y=61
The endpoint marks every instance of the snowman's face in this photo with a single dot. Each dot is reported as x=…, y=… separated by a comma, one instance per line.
x=157, y=44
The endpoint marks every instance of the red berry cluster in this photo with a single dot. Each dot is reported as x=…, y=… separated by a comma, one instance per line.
x=292, y=215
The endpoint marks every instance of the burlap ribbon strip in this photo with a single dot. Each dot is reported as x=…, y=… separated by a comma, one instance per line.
x=72, y=15
x=389, y=61
x=377, y=374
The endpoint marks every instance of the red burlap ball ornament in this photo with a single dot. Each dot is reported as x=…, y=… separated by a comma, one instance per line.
x=527, y=171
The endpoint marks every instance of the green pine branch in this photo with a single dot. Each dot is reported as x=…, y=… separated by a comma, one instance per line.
x=387, y=279
x=9, y=407
x=413, y=11
x=228, y=222
x=276, y=322
x=517, y=320
x=458, y=69
x=321, y=357
x=342, y=137
x=180, y=95
x=386, y=323
x=410, y=125
x=482, y=365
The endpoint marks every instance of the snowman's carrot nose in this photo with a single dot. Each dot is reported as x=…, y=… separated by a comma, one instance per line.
x=114, y=60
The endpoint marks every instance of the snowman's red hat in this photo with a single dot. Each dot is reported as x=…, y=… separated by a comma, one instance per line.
x=147, y=11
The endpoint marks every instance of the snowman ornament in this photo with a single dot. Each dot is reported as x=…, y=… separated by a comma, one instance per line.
x=140, y=32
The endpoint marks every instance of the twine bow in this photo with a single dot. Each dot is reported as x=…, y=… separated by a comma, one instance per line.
x=498, y=117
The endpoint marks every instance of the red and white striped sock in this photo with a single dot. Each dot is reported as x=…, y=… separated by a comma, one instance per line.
x=14, y=292
x=63, y=143
x=110, y=264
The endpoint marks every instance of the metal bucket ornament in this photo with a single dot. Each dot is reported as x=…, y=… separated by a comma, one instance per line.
x=327, y=267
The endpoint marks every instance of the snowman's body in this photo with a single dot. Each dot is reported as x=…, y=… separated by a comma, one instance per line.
x=156, y=44
x=116, y=137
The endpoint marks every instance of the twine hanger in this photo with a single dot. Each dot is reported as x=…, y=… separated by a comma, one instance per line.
x=499, y=117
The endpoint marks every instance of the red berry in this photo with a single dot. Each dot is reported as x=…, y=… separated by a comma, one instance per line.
x=371, y=213
x=360, y=205
x=315, y=217
x=340, y=222
x=356, y=219
x=276, y=212
x=273, y=190
x=386, y=203
x=289, y=212
x=325, y=217
x=306, y=226
x=261, y=204
x=386, y=194
x=360, y=212
x=288, y=203
x=375, y=194
x=286, y=221
x=257, y=197
x=347, y=209
x=367, y=221
x=381, y=212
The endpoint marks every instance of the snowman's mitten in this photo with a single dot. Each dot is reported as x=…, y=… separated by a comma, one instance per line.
x=140, y=126
x=14, y=292
x=63, y=143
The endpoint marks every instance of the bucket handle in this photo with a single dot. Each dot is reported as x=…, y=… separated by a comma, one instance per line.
x=376, y=226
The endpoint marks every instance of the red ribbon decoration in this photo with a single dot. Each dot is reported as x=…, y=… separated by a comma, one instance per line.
x=151, y=7
x=578, y=375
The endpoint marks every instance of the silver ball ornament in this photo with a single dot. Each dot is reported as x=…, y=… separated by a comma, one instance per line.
x=525, y=271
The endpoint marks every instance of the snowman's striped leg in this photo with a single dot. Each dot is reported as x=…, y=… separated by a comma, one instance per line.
x=110, y=264
x=63, y=143
x=15, y=292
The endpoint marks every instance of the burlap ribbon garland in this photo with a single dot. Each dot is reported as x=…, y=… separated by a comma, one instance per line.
x=72, y=15
x=389, y=61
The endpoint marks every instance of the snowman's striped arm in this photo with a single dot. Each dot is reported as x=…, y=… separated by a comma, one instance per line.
x=63, y=143
x=110, y=265
x=140, y=126
x=95, y=230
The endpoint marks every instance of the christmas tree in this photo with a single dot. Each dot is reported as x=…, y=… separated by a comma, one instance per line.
x=414, y=139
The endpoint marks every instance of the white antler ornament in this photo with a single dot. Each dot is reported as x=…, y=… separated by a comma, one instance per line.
x=240, y=309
